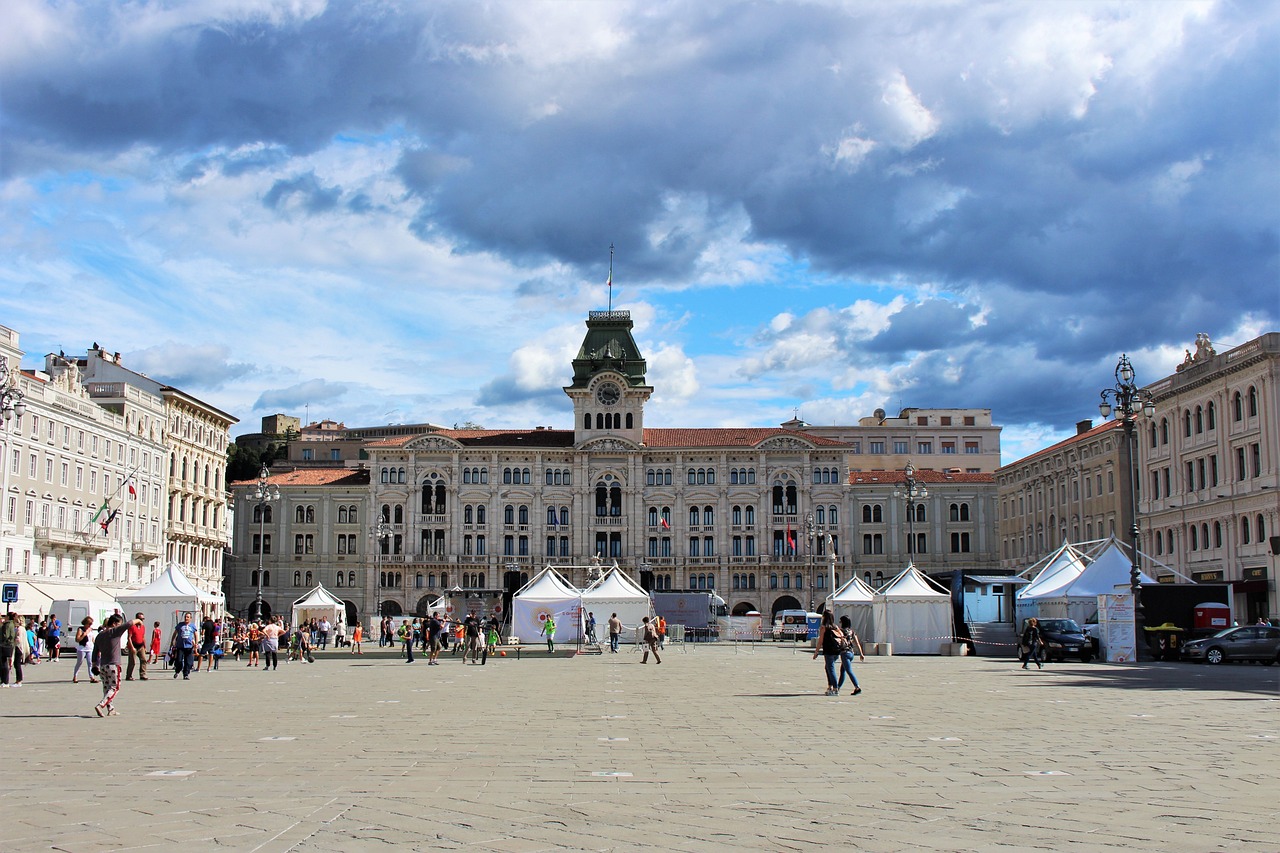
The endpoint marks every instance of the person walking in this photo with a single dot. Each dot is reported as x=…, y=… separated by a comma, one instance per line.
x=322, y=631
x=591, y=628
x=650, y=636
x=662, y=633
x=851, y=642
x=830, y=645
x=435, y=639
x=106, y=662
x=157, y=636
x=52, y=639
x=1032, y=643
x=208, y=638
x=471, y=630
x=406, y=637
x=340, y=634
x=183, y=646
x=271, y=644
x=136, y=646
x=615, y=632
x=84, y=648
x=13, y=635
x=357, y=637
x=549, y=631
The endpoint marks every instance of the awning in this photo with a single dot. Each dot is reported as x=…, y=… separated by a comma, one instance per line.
x=31, y=601
x=82, y=592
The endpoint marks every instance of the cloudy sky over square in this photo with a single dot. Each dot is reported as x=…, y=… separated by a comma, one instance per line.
x=401, y=212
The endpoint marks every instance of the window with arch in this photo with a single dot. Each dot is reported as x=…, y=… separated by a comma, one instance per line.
x=833, y=515
x=749, y=515
x=820, y=514
x=523, y=514
x=1186, y=423
x=694, y=515
x=1211, y=415
x=351, y=578
x=1199, y=420
x=1237, y=407
x=297, y=578
x=342, y=514
x=509, y=514
x=1253, y=401
x=399, y=514
x=468, y=514
x=480, y=514
x=338, y=579
x=1260, y=528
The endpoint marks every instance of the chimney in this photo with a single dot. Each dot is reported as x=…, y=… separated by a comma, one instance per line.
x=1084, y=426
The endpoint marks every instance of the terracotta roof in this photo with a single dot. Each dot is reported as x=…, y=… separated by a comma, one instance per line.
x=728, y=437
x=315, y=477
x=865, y=478
x=653, y=438
x=1067, y=442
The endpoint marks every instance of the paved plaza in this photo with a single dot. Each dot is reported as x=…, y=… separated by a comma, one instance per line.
x=719, y=748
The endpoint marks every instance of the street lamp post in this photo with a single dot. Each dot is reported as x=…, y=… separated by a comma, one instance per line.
x=381, y=532
x=810, y=531
x=911, y=490
x=12, y=404
x=1127, y=401
x=261, y=496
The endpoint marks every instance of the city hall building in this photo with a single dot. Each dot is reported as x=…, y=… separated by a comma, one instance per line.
x=749, y=513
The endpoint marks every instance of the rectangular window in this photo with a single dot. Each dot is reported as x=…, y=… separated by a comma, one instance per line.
x=969, y=420
x=901, y=447
x=948, y=447
x=971, y=446
x=306, y=454
x=877, y=447
x=924, y=447
x=1257, y=460
x=946, y=420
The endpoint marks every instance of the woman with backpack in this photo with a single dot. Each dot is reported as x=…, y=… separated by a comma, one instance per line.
x=1032, y=643
x=830, y=645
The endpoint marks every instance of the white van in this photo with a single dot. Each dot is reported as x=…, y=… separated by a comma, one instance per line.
x=791, y=625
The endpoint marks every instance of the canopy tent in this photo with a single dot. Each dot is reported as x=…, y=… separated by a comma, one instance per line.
x=615, y=592
x=1059, y=569
x=913, y=613
x=857, y=601
x=166, y=598
x=318, y=604
x=547, y=594
x=1075, y=596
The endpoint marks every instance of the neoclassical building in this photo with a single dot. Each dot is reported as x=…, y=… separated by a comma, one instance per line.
x=84, y=484
x=745, y=512
x=1210, y=497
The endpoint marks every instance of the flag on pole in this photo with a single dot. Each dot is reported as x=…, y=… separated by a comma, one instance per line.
x=133, y=491
x=100, y=511
x=665, y=524
x=554, y=519
x=106, y=522
x=791, y=541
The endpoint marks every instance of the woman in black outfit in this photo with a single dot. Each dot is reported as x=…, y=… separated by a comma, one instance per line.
x=830, y=645
x=1032, y=643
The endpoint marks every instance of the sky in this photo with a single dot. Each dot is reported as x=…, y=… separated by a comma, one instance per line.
x=401, y=212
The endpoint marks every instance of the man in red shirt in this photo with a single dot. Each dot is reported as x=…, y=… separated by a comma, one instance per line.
x=137, y=647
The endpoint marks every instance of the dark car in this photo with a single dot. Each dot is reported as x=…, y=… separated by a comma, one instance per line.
x=1248, y=642
x=1065, y=638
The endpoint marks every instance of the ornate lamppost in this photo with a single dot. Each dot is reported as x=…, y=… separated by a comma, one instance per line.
x=381, y=532
x=1127, y=401
x=13, y=403
x=810, y=529
x=911, y=490
x=261, y=496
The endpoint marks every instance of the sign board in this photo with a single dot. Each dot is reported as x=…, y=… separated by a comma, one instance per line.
x=1115, y=618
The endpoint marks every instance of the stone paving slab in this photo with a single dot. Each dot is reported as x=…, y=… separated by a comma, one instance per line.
x=719, y=748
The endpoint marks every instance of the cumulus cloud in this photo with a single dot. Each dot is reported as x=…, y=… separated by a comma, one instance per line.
x=966, y=204
x=188, y=365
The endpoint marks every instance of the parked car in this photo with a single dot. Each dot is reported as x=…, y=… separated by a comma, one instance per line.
x=1064, y=638
x=1248, y=642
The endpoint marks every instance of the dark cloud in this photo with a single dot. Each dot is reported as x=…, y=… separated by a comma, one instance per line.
x=505, y=392
x=305, y=192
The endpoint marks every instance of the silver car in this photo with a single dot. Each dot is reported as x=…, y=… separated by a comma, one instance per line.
x=1248, y=642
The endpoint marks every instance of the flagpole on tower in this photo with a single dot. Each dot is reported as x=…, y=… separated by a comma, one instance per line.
x=609, y=283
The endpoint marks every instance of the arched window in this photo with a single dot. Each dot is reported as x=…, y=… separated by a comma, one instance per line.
x=309, y=580
x=266, y=576
x=399, y=513
x=833, y=515
x=342, y=515
x=1244, y=530
x=750, y=515
x=480, y=513
x=1186, y=423
x=1253, y=402
x=338, y=579
x=1237, y=407
x=1199, y=420
x=467, y=514
x=1211, y=412
x=523, y=514
x=586, y=421
x=693, y=516
x=508, y=514
x=297, y=578
x=1260, y=528
x=386, y=513
x=298, y=515
x=629, y=421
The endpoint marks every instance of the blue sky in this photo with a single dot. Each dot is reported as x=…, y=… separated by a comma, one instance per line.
x=388, y=211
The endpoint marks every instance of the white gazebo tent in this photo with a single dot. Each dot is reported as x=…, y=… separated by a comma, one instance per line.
x=547, y=594
x=857, y=601
x=1057, y=571
x=167, y=598
x=318, y=604
x=1077, y=598
x=615, y=592
x=913, y=613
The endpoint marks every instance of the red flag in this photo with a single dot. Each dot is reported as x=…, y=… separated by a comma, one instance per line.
x=133, y=493
x=791, y=542
x=665, y=525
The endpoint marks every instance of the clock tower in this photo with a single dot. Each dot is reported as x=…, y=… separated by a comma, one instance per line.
x=608, y=390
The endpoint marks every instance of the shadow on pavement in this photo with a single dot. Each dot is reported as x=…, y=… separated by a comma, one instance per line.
x=1241, y=678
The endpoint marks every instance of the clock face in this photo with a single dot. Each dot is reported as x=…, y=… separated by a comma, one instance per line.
x=608, y=394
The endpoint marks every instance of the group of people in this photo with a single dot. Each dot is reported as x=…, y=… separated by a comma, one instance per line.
x=473, y=636
x=837, y=646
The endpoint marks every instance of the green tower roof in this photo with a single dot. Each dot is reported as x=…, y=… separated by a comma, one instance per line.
x=608, y=346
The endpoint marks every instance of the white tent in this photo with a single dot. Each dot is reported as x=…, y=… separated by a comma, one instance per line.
x=615, y=592
x=1076, y=597
x=166, y=598
x=913, y=613
x=547, y=594
x=318, y=604
x=857, y=601
x=1061, y=568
